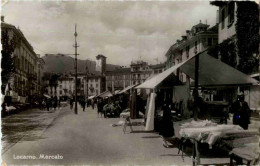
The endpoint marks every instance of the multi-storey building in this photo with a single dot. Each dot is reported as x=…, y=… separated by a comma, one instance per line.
x=238, y=44
x=41, y=64
x=118, y=79
x=25, y=79
x=196, y=40
x=138, y=72
x=88, y=84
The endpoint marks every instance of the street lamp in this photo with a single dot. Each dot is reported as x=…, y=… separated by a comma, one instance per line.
x=76, y=68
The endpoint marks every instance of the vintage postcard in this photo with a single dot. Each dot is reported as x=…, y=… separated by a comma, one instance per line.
x=93, y=82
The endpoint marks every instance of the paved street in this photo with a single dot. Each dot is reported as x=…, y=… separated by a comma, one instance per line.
x=84, y=139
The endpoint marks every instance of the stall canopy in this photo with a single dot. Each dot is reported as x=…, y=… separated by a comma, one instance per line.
x=212, y=72
x=46, y=96
x=127, y=88
x=158, y=79
x=91, y=97
x=105, y=94
x=116, y=92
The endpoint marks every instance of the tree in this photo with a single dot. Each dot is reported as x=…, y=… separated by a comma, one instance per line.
x=247, y=29
x=7, y=64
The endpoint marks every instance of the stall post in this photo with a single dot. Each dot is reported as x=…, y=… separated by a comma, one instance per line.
x=196, y=93
x=133, y=105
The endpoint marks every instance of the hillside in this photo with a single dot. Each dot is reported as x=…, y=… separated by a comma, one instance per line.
x=63, y=63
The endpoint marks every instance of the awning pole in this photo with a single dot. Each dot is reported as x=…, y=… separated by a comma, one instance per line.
x=196, y=93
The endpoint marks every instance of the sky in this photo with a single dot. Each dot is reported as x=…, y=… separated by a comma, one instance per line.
x=121, y=31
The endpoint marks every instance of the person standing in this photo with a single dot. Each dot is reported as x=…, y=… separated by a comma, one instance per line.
x=83, y=104
x=166, y=127
x=48, y=104
x=55, y=102
x=71, y=103
x=241, y=112
x=92, y=104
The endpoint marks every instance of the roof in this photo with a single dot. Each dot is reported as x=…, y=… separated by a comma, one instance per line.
x=20, y=33
x=161, y=65
x=200, y=25
x=219, y=74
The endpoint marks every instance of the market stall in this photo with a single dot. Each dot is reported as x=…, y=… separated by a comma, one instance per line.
x=200, y=69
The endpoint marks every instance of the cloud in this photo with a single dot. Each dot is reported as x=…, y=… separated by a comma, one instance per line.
x=122, y=31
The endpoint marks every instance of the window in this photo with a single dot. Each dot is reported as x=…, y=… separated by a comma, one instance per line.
x=223, y=18
x=209, y=41
x=96, y=85
x=231, y=12
x=61, y=92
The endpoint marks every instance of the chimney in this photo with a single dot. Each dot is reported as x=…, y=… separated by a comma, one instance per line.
x=2, y=18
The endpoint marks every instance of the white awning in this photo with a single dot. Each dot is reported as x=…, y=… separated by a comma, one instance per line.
x=116, y=92
x=91, y=97
x=157, y=79
x=105, y=94
x=127, y=88
x=46, y=96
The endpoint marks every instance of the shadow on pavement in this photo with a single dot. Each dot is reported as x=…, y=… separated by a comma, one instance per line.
x=142, y=131
x=151, y=137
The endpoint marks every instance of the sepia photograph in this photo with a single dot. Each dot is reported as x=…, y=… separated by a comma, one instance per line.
x=130, y=83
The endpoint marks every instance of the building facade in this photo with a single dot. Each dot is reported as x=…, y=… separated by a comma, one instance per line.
x=238, y=27
x=196, y=40
x=140, y=71
x=238, y=34
x=26, y=77
x=118, y=79
x=137, y=73
x=88, y=84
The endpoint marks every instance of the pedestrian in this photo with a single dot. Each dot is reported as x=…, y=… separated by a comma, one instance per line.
x=48, y=104
x=55, y=102
x=59, y=106
x=241, y=112
x=100, y=107
x=43, y=104
x=83, y=104
x=92, y=104
x=71, y=103
x=166, y=127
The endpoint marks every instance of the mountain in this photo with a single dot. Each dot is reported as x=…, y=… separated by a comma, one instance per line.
x=64, y=63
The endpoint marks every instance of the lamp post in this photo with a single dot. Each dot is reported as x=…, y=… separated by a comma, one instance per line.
x=196, y=93
x=76, y=68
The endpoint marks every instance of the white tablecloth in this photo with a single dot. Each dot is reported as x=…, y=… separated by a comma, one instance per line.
x=207, y=134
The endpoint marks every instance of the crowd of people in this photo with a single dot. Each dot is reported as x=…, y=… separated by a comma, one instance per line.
x=50, y=103
x=111, y=107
